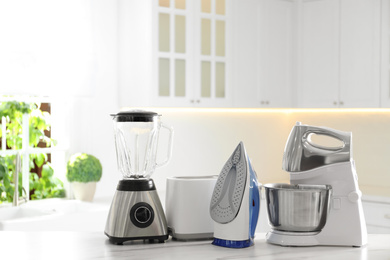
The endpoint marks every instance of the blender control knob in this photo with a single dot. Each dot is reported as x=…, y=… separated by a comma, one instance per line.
x=142, y=215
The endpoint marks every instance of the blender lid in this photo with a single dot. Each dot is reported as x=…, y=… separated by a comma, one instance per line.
x=135, y=116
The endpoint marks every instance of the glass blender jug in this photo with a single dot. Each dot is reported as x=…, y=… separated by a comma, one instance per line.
x=137, y=140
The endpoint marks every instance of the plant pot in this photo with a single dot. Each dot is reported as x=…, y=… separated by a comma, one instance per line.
x=84, y=190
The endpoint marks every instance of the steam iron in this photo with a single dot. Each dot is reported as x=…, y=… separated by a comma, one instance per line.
x=309, y=163
x=235, y=202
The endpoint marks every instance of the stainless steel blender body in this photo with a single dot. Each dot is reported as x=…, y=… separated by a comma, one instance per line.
x=136, y=213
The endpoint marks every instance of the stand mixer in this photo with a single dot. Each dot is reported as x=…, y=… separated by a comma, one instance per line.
x=136, y=211
x=310, y=166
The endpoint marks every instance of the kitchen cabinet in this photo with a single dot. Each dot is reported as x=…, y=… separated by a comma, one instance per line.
x=276, y=47
x=385, y=54
x=377, y=214
x=177, y=55
x=269, y=53
x=339, y=53
x=263, y=53
x=181, y=48
x=192, y=60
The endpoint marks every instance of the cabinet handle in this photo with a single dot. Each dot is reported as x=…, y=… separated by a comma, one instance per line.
x=267, y=102
x=341, y=103
x=198, y=101
x=262, y=102
x=192, y=101
x=335, y=103
x=387, y=216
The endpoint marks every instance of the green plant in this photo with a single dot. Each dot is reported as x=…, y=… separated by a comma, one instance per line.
x=5, y=184
x=46, y=186
x=83, y=167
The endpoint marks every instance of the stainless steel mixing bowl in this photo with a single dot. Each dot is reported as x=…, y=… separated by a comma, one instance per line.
x=297, y=208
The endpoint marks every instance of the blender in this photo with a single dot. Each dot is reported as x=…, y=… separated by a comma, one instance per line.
x=136, y=212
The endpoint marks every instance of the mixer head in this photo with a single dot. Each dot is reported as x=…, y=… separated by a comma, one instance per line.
x=302, y=154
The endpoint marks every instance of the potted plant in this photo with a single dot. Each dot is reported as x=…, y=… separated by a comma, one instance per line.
x=83, y=171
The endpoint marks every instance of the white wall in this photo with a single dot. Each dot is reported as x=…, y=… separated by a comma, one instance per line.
x=90, y=123
x=67, y=50
x=205, y=138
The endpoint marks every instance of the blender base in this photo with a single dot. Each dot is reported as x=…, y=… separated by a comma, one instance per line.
x=121, y=240
x=136, y=213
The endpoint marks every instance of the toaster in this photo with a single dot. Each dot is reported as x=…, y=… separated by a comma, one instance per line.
x=187, y=207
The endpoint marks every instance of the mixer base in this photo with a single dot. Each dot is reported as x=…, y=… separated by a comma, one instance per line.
x=285, y=238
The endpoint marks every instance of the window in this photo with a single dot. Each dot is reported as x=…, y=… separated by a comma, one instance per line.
x=26, y=130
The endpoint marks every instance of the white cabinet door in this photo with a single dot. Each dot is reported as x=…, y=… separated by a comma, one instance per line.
x=276, y=47
x=385, y=53
x=340, y=50
x=172, y=54
x=192, y=53
x=263, y=49
x=160, y=63
x=360, y=53
x=245, y=53
x=134, y=53
x=318, y=82
x=213, y=52
x=377, y=216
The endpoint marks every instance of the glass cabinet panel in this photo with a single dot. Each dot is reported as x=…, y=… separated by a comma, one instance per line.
x=163, y=3
x=164, y=72
x=206, y=6
x=180, y=4
x=220, y=7
x=220, y=79
x=180, y=78
x=206, y=79
x=206, y=37
x=220, y=38
x=163, y=32
x=180, y=34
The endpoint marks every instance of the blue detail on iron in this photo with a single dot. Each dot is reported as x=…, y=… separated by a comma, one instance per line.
x=254, y=201
x=232, y=243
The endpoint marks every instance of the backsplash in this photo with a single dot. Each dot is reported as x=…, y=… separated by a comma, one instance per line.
x=205, y=138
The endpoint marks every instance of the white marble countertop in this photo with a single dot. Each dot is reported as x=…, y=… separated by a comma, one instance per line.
x=95, y=245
